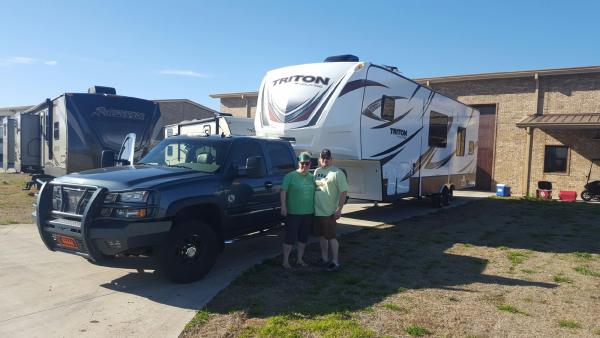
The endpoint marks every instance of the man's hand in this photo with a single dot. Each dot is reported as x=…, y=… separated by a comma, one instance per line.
x=338, y=213
x=283, y=211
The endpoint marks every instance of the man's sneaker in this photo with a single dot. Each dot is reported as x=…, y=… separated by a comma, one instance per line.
x=333, y=267
x=322, y=263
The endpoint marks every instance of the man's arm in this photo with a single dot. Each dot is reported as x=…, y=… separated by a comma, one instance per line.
x=338, y=211
x=283, y=200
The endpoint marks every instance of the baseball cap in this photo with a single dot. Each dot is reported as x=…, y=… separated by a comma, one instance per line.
x=325, y=153
x=304, y=157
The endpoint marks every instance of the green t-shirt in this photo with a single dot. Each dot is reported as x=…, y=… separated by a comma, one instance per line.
x=300, y=193
x=330, y=183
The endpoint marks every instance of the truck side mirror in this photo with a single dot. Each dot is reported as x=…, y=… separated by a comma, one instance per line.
x=107, y=159
x=255, y=167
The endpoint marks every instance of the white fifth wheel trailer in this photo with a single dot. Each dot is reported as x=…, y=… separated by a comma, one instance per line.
x=222, y=124
x=394, y=137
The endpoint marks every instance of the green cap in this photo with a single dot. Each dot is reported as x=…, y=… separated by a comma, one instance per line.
x=304, y=157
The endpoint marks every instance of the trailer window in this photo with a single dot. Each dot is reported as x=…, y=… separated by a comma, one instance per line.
x=388, y=105
x=282, y=161
x=56, y=131
x=461, y=135
x=556, y=159
x=438, y=130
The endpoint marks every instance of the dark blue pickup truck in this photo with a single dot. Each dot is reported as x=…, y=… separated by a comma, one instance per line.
x=180, y=202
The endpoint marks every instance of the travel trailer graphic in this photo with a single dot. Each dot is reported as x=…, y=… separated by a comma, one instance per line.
x=393, y=136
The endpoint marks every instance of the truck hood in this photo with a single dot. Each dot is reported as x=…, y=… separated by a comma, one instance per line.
x=131, y=177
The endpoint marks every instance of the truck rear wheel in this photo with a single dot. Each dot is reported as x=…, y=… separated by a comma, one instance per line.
x=189, y=252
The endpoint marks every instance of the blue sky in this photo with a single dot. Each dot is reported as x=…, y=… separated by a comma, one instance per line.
x=190, y=49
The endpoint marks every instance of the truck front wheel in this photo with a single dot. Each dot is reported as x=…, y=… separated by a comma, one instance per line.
x=189, y=252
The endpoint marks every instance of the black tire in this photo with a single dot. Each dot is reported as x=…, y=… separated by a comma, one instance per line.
x=189, y=252
x=446, y=197
x=586, y=195
x=436, y=200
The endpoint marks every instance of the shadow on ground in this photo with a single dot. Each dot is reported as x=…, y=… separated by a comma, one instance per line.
x=411, y=254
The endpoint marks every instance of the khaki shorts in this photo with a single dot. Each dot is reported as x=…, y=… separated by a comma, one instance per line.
x=324, y=226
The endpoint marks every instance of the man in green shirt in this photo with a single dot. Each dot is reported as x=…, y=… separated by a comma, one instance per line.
x=297, y=206
x=330, y=196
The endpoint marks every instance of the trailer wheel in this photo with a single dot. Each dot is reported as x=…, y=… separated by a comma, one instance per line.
x=436, y=200
x=586, y=195
x=189, y=252
x=446, y=197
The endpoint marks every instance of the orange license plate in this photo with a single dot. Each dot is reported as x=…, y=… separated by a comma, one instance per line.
x=67, y=242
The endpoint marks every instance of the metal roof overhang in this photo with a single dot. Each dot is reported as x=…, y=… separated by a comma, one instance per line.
x=562, y=121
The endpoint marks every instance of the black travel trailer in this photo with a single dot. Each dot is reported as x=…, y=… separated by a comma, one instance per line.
x=76, y=128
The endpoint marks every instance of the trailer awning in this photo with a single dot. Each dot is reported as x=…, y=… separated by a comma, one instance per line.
x=562, y=121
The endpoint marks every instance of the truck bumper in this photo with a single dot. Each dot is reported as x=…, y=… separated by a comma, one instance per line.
x=90, y=238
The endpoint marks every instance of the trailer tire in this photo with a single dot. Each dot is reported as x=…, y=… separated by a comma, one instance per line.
x=189, y=252
x=446, y=197
x=436, y=200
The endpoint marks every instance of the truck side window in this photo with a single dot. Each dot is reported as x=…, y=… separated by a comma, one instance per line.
x=282, y=161
x=438, y=130
x=241, y=151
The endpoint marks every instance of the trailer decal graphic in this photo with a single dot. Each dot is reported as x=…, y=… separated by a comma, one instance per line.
x=356, y=84
x=399, y=144
x=118, y=113
x=427, y=103
x=415, y=92
x=373, y=106
x=316, y=117
x=393, y=121
x=467, y=166
x=440, y=163
x=391, y=157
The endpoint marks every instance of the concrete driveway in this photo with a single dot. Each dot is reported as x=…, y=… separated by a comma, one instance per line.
x=50, y=294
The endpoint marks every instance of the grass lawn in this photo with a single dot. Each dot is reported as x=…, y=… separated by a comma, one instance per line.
x=496, y=267
x=15, y=204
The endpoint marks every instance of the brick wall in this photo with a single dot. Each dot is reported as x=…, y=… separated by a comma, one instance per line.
x=239, y=107
x=516, y=99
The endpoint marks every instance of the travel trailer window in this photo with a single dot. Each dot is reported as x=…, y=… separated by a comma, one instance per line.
x=282, y=161
x=461, y=135
x=388, y=104
x=556, y=159
x=438, y=130
x=56, y=131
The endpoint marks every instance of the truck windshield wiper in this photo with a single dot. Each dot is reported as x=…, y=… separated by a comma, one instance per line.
x=180, y=166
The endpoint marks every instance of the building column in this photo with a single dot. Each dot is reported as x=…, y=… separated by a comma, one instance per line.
x=528, y=157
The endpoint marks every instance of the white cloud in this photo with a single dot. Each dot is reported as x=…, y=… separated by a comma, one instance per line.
x=51, y=62
x=182, y=73
x=17, y=60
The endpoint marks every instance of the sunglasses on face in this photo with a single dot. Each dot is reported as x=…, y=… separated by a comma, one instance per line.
x=326, y=158
x=305, y=163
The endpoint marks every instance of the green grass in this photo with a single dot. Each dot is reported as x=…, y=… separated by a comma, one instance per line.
x=571, y=324
x=417, y=331
x=332, y=325
x=560, y=278
x=584, y=270
x=200, y=318
x=393, y=307
x=596, y=332
x=529, y=271
x=516, y=257
x=511, y=309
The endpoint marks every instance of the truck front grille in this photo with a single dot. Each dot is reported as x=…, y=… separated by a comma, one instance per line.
x=70, y=199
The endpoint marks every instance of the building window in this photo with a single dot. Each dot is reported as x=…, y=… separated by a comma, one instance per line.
x=461, y=136
x=388, y=105
x=438, y=130
x=556, y=159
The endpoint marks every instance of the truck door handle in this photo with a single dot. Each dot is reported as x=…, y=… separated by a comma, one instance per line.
x=268, y=185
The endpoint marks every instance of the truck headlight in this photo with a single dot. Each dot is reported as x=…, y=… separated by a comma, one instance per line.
x=132, y=213
x=127, y=197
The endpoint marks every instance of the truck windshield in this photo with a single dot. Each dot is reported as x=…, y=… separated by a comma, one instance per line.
x=201, y=155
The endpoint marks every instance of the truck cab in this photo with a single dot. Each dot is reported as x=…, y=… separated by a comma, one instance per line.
x=180, y=202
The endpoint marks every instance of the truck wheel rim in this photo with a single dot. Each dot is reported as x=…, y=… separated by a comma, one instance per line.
x=189, y=251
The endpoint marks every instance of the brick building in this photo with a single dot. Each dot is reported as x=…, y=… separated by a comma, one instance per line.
x=539, y=125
